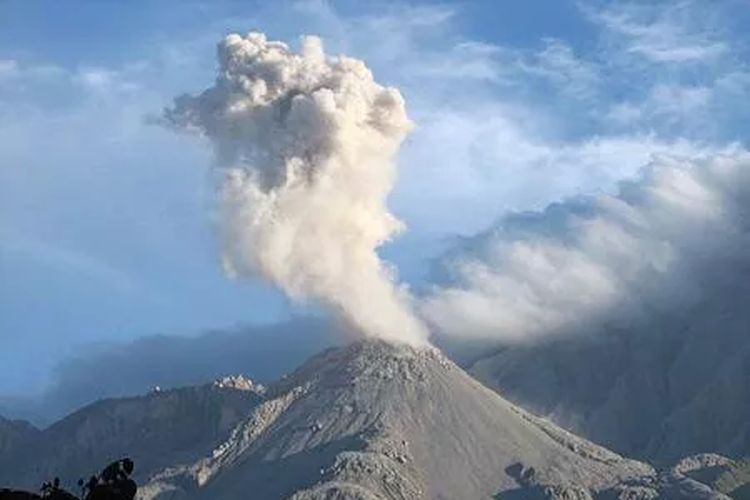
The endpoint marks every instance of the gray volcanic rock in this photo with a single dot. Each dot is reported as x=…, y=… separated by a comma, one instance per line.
x=374, y=420
x=14, y=436
x=13, y=433
x=723, y=476
x=156, y=430
x=603, y=387
x=368, y=421
x=674, y=385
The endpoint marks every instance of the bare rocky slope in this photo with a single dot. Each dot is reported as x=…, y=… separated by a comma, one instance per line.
x=367, y=421
x=156, y=430
x=14, y=436
x=674, y=385
x=376, y=421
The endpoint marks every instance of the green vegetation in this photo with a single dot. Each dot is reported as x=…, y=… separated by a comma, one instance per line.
x=735, y=482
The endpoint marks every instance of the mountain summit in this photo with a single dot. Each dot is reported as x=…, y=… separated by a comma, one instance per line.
x=374, y=420
x=368, y=421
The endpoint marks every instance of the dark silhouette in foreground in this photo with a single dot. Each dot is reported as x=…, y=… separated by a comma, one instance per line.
x=113, y=483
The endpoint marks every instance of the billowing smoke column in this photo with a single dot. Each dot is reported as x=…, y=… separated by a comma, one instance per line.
x=305, y=147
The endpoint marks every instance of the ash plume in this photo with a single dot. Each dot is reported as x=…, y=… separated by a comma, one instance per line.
x=304, y=146
x=661, y=243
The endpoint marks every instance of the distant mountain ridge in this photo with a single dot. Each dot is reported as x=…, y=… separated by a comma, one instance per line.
x=156, y=430
x=675, y=385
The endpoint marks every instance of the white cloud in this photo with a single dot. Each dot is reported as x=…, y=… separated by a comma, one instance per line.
x=8, y=69
x=96, y=78
x=558, y=63
x=29, y=83
x=462, y=61
x=676, y=67
x=668, y=105
x=675, y=100
x=105, y=81
x=15, y=72
x=597, y=260
x=503, y=127
x=662, y=32
x=498, y=127
x=624, y=113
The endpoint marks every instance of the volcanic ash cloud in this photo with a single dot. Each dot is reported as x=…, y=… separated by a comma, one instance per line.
x=305, y=146
x=660, y=246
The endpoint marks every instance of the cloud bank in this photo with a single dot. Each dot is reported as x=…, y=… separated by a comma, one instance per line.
x=599, y=260
x=305, y=147
x=262, y=352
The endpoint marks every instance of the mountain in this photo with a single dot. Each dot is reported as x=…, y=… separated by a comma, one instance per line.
x=263, y=351
x=673, y=385
x=374, y=420
x=14, y=435
x=156, y=430
x=367, y=421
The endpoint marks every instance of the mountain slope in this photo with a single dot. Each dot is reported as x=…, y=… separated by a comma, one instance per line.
x=368, y=421
x=14, y=436
x=673, y=385
x=156, y=430
x=377, y=421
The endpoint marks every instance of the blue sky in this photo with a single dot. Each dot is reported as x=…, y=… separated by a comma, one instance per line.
x=106, y=221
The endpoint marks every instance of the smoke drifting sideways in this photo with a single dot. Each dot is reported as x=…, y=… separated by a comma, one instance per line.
x=305, y=147
x=658, y=246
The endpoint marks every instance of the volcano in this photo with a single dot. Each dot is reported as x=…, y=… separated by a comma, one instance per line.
x=375, y=420
x=371, y=420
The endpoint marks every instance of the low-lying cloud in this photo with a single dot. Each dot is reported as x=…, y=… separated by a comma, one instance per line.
x=593, y=260
x=262, y=352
